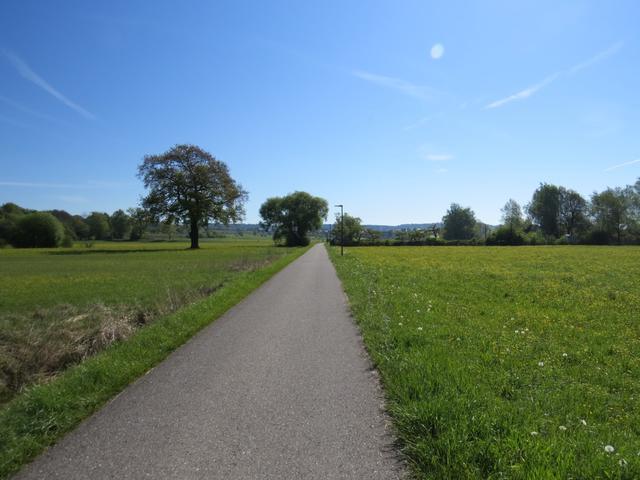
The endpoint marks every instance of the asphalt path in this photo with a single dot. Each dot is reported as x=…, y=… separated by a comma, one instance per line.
x=280, y=387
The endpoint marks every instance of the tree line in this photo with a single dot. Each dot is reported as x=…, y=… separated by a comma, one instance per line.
x=21, y=227
x=189, y=188
x=555, y=215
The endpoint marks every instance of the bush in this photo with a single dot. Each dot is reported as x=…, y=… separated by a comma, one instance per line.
x=598, y=237
x=38, y=230
x=505, y=236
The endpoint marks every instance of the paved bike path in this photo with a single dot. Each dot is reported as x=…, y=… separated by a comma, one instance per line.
x=278, y=388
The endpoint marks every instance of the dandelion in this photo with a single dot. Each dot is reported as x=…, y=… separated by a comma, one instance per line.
x=565, y=355
x=562, y=428
x=541, y=364
x=609, y=449
x=533, y=434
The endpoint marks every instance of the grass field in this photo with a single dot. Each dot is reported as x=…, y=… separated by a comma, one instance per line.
x=210, y=281
x=505, y=362
x=58, y=306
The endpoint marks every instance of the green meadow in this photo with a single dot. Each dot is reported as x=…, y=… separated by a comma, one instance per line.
x=70, y=345
x=58, y=306
x=518, y=363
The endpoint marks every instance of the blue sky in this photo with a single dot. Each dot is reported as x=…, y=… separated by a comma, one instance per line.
x=395, y=109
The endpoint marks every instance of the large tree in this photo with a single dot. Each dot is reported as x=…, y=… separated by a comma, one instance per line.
x=120, y=224
x=459, y=223
x=292, y=217
x=573, y=211
x=190, y=185
x=512, y=216
x=611, y=210
x=352, y=230
x=544, y=209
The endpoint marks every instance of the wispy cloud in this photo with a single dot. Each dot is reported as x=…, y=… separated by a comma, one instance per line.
x=28, y=74
x=614, y=167
x=27, y=110
x=526, y=93
x=422, y=92
x=438, y=157
x=529, y=91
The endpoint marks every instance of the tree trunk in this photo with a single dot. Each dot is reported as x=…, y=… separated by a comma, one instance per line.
x=194, y=234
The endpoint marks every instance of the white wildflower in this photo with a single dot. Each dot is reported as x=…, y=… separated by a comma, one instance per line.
x=419, y=329
x=533, y=434
x=609, y=449
x=565, y=355
x=583, y=422
x=399, y=324
x=541, y=364
x=562, y=428
x=622, y=462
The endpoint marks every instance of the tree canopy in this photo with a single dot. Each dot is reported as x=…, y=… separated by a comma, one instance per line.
x=293, y=216
x=352, y=230
x=459, y=223
x=189, y=185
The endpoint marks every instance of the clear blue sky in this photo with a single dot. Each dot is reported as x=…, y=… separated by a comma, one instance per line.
x=394, y=108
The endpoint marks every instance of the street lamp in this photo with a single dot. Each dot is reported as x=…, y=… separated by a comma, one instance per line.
x=341, y=229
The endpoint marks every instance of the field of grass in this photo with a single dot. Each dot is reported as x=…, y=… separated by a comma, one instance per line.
x=42, y=413
x=516, y=363
x=59, y=306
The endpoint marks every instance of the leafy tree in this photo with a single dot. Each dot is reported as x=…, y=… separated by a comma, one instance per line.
x=512, y=216
x=99, y=227
x=611, y=210
x=139, y=222
x=80, y=228
x=352, y=230
x=190, y=185
x=38, y=229
x=120, y=224
x=459, y=223
x=544, y=209
x=292, y=217
x=371, y=235
x=573, y=212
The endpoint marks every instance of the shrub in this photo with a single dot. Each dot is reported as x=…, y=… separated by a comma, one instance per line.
x=38, y=230
x=506, y=236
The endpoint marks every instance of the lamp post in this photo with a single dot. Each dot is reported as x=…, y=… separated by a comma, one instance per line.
x=341, y=229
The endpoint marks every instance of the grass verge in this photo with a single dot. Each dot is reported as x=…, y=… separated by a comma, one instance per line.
x=518, y=363
x=42, y=414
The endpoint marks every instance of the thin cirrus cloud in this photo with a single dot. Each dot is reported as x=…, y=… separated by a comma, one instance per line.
x=529, y=91
x=27, y=73
x=27, y=110
x=615, y=167
x=422, y=92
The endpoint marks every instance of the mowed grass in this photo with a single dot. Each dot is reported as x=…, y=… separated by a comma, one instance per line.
x=42, y=413
x=59, y=306
x=516, y=363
